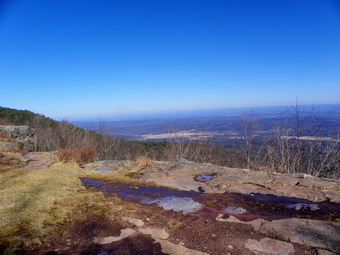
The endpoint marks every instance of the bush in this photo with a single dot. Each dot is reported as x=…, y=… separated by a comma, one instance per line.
x=86, y=155
x=83, y=155
x=67, y=155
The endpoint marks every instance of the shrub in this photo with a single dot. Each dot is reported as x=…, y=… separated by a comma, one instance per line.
x=81, y=156
x=86, y=155
x=67, y=154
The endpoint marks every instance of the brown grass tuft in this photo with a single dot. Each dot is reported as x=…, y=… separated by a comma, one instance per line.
x=86, y=155
x=66, y=155
x=142, y=161
x=83, y=155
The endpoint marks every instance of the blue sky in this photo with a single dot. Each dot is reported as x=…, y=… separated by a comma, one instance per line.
x=75, y=59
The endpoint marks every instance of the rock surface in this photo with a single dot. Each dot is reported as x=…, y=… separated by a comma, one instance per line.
x=106, y=240
x=312, y=233
x=107, y=164
x=267, y=246
x=15, y=131
x=134, y=221
x=181, y=174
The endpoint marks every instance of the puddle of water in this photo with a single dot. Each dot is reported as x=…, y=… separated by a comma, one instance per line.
x=27, y=156
x=203, y=178
x=178, y=204
x=244, y=207
x=105, y=170
x=300, y=206
x=234, y=209
x=103, y=253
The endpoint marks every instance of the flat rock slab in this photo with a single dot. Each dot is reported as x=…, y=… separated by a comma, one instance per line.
x=107, y=164
x=267, y=246
x=155, y=233
x=181, y=174
x=110, y=239
x=134, y=221
x=312, y=233
x=177, y=249
x=324, y=252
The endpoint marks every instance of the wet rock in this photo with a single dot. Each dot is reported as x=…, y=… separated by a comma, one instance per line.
x=267, y=246
x=155, y=233
x=178, y=174
x=106, y=240
x=313, y=195
x=248, y=188
x=134, y=221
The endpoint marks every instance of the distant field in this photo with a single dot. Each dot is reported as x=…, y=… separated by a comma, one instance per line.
x=314, y=138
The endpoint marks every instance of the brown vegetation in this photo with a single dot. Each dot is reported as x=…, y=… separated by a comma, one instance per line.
x=82, y=155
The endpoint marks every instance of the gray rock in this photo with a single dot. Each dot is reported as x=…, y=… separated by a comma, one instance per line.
x=134, y=221
x=15, y=131
x=312, y=233
x=267, y=246
x=107, y=164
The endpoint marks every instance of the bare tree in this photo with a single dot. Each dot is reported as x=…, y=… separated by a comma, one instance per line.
x=249, y=124
x=107, y=144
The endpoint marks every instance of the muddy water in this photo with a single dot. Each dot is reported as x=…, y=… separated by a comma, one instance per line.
x=244, y=207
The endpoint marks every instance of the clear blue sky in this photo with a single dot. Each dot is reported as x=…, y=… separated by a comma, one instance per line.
x=88, y=58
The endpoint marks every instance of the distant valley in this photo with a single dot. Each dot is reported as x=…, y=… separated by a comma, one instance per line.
x=221, y=126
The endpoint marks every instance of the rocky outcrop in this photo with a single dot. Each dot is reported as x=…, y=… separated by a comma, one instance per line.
x=311, y=233
x=182, y=174
x=267, y=246
x=15, y=131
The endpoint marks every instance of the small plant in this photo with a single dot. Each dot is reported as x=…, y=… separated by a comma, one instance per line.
x=83, y=155
x=86, y=155
x=67, y=155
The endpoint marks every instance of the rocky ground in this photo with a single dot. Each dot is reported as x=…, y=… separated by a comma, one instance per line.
x=126, y=226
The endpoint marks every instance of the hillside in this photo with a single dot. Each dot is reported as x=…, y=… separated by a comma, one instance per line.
x=175, y=207
x=45, y=134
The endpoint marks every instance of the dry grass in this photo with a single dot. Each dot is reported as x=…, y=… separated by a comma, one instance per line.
x=35, y=203
x=142, y=161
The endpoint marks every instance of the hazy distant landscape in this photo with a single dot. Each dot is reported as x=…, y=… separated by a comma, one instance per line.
x=219, y=126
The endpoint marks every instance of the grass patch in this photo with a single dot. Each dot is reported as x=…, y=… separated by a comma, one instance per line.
x=38, y=202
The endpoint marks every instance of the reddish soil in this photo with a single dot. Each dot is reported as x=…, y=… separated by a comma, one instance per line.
x=195, y=232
